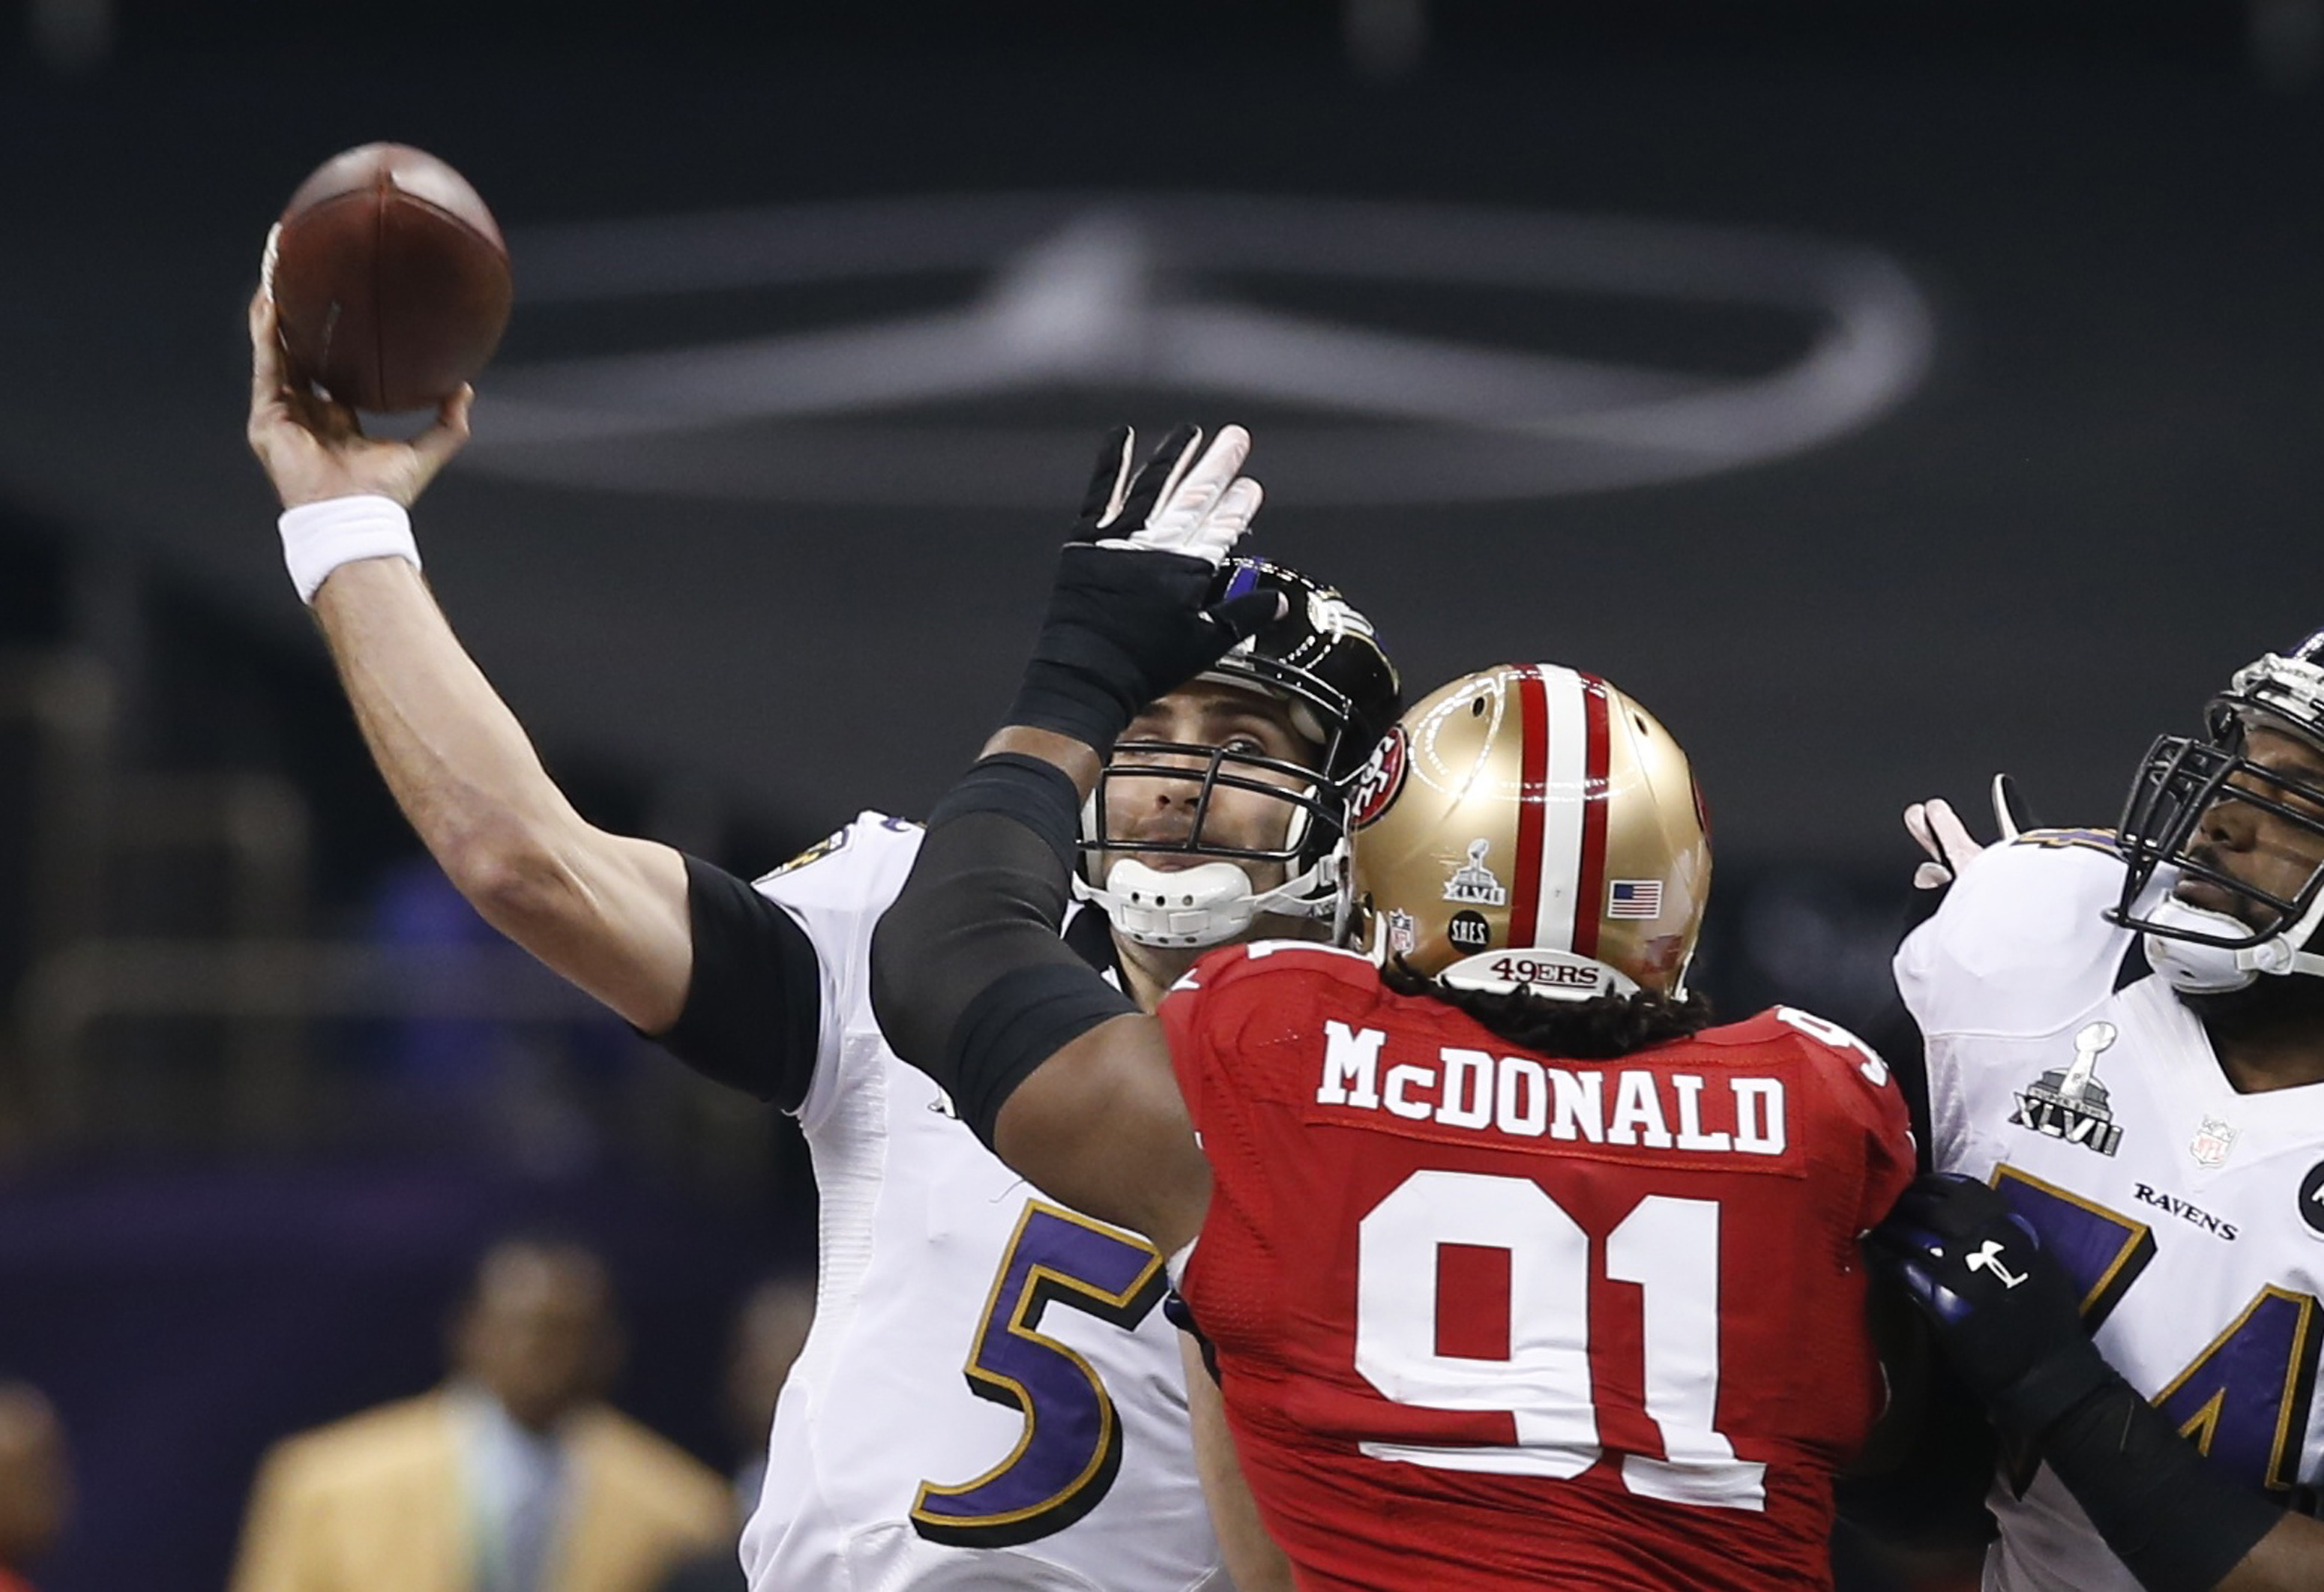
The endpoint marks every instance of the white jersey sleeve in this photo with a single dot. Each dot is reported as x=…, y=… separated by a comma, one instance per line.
x=835, y=891
x=2017, y=948
x=2019, y=944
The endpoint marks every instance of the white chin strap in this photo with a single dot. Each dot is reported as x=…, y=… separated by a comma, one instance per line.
x=2215, y=970
x=1208, y=903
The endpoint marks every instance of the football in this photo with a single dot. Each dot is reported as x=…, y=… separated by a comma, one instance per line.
x=390, y=279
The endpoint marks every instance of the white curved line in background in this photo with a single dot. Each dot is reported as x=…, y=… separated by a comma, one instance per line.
x=1111, y=290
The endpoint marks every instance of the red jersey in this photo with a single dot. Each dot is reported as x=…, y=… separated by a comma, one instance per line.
x=1490, y=1320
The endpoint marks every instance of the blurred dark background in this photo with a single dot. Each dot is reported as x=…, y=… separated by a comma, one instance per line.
x=1884, y=394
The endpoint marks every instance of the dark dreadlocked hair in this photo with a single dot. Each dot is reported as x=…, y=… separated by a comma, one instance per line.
x=1599, y=1029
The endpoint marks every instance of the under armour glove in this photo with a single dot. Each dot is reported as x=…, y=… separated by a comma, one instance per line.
x=2008, y=1321
x=1128, y=618
x=2007, y=1318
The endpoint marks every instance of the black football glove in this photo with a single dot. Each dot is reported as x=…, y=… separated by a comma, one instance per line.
x=1130, y=616
x=2004, y=1310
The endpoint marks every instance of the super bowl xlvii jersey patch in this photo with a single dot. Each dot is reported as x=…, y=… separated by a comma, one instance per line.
x=991, y=1395
x=2186, y=1211
x=2069, y=1102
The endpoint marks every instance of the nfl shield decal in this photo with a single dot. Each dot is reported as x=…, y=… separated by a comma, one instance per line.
x=1401, y=935
x=2069, y=1103
x=2211, y=1143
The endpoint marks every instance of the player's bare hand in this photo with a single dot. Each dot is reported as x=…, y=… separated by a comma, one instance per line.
x=313, y=448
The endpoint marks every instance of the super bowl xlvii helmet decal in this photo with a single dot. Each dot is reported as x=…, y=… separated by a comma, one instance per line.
x=2182, y=779
x=1532, y=825
x=1323, y=660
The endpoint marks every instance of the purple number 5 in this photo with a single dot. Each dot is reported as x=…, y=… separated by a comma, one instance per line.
x=1065, y=1461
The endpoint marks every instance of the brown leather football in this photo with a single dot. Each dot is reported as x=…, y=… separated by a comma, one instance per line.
x=390, y=277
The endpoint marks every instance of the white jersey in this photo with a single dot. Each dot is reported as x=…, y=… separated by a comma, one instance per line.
x=991, y=1397
x=2191, y=1215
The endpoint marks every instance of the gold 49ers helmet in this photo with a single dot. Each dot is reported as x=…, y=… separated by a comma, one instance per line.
x=1530, y=825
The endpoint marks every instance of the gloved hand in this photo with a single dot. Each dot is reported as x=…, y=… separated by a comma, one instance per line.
x=2002, y=1309
x=1947, y=840
x=1129, y=617
x=1186, y=498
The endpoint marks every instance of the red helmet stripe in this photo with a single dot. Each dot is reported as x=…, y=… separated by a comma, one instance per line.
x=1589, y=899
x=1533, y=791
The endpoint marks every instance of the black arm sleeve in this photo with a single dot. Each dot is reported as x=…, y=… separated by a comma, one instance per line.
x=754, y=1006
x=2176, y=1524
x=969, y=982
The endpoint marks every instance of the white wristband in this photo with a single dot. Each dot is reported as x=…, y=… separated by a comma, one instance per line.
x=318, y=537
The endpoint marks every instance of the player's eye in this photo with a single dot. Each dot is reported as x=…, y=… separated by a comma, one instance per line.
x=1256, y=737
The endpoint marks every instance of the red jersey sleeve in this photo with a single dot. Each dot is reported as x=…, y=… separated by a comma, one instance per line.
x=1858, y=1086
x=1243, y=1008
x=1184, y=1013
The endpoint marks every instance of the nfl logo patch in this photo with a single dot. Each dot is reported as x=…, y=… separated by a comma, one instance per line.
x=1400, y=935
x=2213, y=1141
x=1635, y=898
